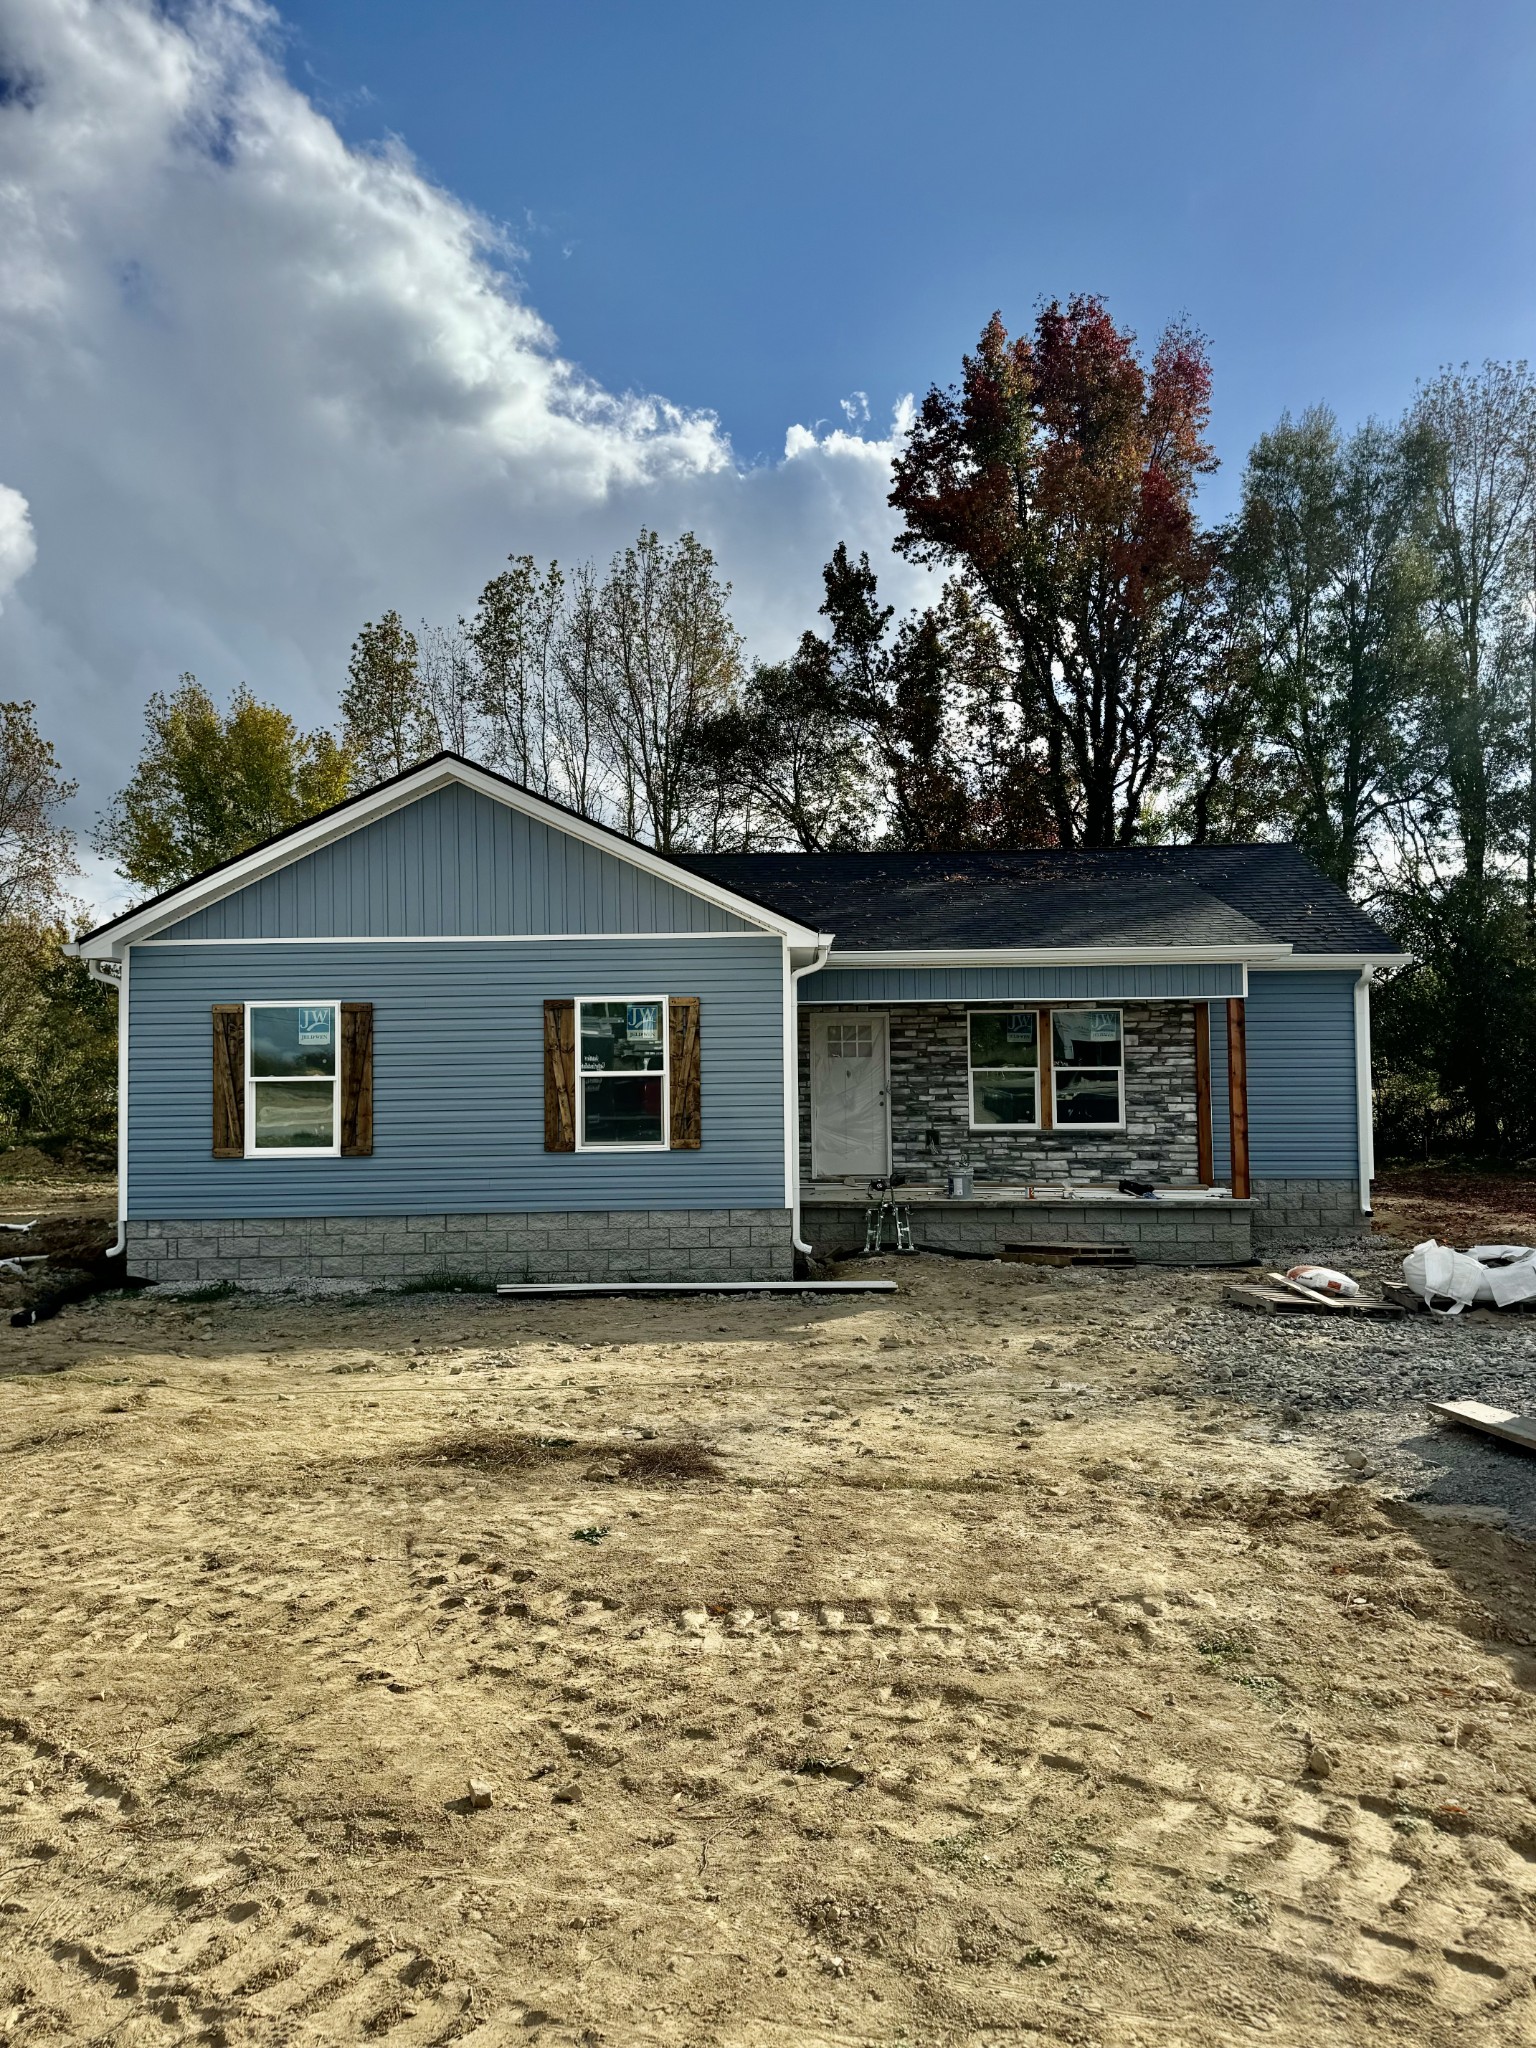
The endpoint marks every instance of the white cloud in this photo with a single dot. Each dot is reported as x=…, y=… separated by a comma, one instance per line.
x=18, y=548
x=263, y=385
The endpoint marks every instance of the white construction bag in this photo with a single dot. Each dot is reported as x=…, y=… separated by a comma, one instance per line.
x=1435, y=1269
x=1511, y=1270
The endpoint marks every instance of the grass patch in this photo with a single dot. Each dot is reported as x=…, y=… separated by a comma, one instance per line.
x=447, y=1283
x=500, y=1450
x=669, y=1459
x=661, y=1461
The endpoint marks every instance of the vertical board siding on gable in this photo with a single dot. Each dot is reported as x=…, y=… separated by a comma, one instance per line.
x=454, y=863
x=1301, y=1077
x=458, y=1078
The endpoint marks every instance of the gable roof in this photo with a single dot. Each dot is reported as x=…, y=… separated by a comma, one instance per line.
x=1254, y=901
x=349, y=816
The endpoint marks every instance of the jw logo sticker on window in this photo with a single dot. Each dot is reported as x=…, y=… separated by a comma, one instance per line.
x=315, y=1025
x=642, y=1020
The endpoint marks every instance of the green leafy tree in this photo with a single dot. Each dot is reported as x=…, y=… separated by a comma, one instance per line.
x=210, y=784
x=1332, y=580
x=388, y=720
x=1482, y=511
x=37, y=853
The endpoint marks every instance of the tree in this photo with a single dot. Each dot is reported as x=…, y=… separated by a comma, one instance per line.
x=669, y=662
x=36, y=852
x=387, y=722
x=1483, y=507
x=514, y=640
x=792, y=767
x=1332, y=577
x=211, y=784
x=1057, y=482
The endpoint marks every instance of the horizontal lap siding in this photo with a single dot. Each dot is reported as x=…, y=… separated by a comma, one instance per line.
x=1019, y=984
x=458, y=1078
x=455, y=863
x=1301, y=1076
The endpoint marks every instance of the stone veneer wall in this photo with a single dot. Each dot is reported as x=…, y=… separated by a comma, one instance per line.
x=620, y=1244
x=929, y=1079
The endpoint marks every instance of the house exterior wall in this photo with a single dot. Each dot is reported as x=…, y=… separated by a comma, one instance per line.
x=929, y=1082
x=454, y=862
x=458, y=1079
x=847, y=987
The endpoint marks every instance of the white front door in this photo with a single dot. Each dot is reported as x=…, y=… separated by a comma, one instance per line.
x=850, y=1123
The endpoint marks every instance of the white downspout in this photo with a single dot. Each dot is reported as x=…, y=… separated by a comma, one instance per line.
x=1365, y=1123
x=100, y=970
x=792, y=1082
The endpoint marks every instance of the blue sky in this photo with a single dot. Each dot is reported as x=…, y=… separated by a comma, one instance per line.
x=314, y=311
x=764, y=210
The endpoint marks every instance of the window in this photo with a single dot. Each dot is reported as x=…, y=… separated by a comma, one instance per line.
x=293, y=1079
x=1088, y=1061
x=1005, y=1068
x=850, y=1041
x=622, y=1082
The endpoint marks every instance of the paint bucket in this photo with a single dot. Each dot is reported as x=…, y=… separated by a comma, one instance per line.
x=960, y=1185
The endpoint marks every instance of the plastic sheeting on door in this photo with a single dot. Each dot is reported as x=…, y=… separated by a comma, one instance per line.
x=848, y=1128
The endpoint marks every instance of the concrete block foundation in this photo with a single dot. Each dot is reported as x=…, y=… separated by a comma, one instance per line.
x=1170, y=1231
x=614, y=1244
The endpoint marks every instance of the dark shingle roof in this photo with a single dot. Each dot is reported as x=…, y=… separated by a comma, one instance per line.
x=1134, y=896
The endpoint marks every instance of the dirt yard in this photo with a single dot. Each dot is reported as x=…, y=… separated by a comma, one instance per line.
x=928, y=1670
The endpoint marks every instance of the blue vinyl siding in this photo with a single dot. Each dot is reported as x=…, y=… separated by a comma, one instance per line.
x=458, y=1077
x=1301, y=1077
x=454, y=863
x=1025, y=984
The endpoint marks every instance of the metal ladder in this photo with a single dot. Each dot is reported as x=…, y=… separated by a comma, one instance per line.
x=887, y=1206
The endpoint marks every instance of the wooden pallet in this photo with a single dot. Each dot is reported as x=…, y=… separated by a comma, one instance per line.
x=1276, y=1301
x=1500, y=1422
x=1068, y=1254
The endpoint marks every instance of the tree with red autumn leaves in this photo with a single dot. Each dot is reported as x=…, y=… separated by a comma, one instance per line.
x=1057, y=483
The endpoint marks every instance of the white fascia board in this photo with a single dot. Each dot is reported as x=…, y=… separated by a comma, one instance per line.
x=1071, y=956
x=1341, y=963
x=366, y=810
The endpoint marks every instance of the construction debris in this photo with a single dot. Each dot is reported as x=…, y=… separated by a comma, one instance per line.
x=1068, y=1254
x=1500, y=1422
x=1289, y=1299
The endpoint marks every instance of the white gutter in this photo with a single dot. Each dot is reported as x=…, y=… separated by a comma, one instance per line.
x=792, y=976
x=1365, y=1123
x=1067, y=956
x=114, y=975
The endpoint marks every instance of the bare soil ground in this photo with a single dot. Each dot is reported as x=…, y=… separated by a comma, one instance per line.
x=1460, y=1208
x=993, y=1687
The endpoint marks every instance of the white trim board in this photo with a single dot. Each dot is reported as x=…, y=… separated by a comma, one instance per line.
x=366, y=809
x=452, y=938
x=1065, y=956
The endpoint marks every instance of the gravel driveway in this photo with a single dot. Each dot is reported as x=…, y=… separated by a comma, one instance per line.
x=1367, y=1385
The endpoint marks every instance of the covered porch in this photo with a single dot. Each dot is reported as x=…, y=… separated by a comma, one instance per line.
x=1047, y=1101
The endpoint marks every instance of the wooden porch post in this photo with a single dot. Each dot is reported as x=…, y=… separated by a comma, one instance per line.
x=1204, y=1148
x=1237, y=1094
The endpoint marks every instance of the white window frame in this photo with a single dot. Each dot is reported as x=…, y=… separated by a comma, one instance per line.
x=665, y=1077
x=972, y=1070
x=1118, y=1067
x=253, y=1081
